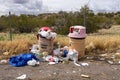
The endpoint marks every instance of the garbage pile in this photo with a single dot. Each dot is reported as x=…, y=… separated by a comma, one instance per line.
x=44, y=52
x=35, y=56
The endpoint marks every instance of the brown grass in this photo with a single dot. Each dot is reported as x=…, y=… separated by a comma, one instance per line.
x=104, y=41
x=22, y=45
x=22, y=42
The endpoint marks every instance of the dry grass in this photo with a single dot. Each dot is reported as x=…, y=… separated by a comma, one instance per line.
x=63, y=40
x=22, y=45
x=114, y=30
x=22, y=42
x=104, y=41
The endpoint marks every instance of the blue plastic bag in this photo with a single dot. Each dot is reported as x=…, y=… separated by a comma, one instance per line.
x=22, y=59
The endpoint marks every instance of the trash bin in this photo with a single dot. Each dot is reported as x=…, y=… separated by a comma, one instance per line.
x=45, y=44
x=77, y=36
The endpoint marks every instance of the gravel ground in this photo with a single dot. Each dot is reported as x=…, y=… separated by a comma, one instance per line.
x=97, y=70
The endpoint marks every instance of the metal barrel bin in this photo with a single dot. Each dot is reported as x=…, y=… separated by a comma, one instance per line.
x=77, y=39
x=79, y=45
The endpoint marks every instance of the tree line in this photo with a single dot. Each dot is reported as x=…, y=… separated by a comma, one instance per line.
x=60, y=21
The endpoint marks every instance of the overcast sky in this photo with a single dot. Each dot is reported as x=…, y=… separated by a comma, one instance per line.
x=43, y=6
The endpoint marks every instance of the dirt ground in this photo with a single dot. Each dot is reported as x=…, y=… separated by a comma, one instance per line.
x=97, y=70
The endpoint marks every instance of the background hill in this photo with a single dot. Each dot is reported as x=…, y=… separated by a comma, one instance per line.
x=59, y=21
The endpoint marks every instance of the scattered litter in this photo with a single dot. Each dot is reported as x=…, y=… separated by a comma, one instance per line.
x=65, y=62
x=84, y=64
x=56, y=59
x=102, y=59
x=32, y=62
x=22, y=77
x=35, y=49
x=76, y=64
x=56, y=52
x=47, y=58
x=72, y=55
x=90, y=57
x=110, y=62
x=51, y=63
x=6, y=53
x=65, y=51
x=59, y=44
x=3, y=61
x=85, y=76
x=51, y=59
x=45, y=53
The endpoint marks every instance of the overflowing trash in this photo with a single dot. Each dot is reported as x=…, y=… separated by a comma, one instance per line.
x=46, y=32
x=44, y=51
x=45, y=39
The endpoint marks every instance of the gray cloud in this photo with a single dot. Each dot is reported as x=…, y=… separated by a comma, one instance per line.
x=41, y=6
x=20, y=1
x=21, y=6
x=105, y=6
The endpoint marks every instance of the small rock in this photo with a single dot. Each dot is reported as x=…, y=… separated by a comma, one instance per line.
x=119, y=62
x=90, y=57
x=115, y=68
x=74, y=71
x=49, y=75
x=54, y=73
x=67, y=72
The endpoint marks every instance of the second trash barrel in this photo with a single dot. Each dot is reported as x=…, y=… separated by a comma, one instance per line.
x=77, y=36
x=45, y=44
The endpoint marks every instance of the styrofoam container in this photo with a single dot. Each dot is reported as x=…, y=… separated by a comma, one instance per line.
x=77, y=32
